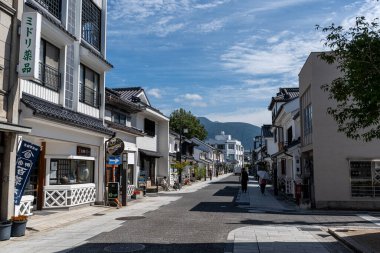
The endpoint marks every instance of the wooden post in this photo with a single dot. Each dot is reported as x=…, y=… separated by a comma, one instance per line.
x=41, y=177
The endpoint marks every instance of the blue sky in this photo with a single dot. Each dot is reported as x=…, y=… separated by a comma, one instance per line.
x=222, y=59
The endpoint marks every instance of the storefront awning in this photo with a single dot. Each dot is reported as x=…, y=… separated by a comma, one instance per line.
x=150, y=153
x=8, y=127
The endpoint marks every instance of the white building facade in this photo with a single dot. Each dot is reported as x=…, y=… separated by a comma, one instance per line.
x=232, y=149
x=337, y=172
x=62, y=71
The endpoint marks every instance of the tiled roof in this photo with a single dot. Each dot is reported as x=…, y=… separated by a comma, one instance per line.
x=201, y=145
x=113, y=98
x=128, y=93
x=284, y=95
x=58, y=113
x=124, y=128
x=266, y=131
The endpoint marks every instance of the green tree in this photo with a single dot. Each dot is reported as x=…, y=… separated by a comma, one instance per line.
x=356, y=51
x=181, y=119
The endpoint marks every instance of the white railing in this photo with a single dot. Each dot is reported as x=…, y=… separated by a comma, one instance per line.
x=68, y=195
x=130, y=190
x=26, y=206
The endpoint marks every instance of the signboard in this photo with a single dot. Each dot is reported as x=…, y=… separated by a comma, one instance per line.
x=113, y=190
x=26, y=158
x=114, y=160
x=115, y=146
x=30, y=37
x=83, y=151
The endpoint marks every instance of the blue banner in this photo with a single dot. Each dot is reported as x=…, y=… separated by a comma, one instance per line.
x=26, y=159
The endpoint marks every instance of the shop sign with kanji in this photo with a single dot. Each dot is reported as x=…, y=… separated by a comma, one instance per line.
x=30, y=38
x=26, y=159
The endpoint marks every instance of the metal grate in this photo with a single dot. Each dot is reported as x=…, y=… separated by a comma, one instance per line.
x=89, y=96
x=91, y=23
x=49, y=77
x=53, y=6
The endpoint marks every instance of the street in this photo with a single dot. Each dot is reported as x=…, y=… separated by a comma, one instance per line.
x=201, y=221
x=203, y=217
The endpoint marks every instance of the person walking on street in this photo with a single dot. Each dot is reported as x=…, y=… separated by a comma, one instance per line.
x=244, y=180
x=262, y=183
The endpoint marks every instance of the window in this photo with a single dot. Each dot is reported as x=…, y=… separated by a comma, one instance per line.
x=365, y=178
x=119, y=118
x=149, y=127
x=66, y=171
x=308, y=116
x=53, y=6
x=89, y=87
x=91, y=23
x=220, y=146
x=283, y=166
x=49, y=75
x=231, y=157
x=290, y=135
x=231, y=146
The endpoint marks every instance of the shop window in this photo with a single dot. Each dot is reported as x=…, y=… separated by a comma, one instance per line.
x=66, y=171
x=149, y=127
x=365, y=178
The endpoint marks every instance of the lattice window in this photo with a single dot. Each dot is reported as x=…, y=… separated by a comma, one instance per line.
x=91, y=23
x=53, y=6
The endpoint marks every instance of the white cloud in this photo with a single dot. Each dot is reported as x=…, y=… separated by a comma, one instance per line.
x=286, y=54
x=210, y=5
x=212, y=26
x=370, y=9
x=154, y=93
x=256, y=116
x=192, y=96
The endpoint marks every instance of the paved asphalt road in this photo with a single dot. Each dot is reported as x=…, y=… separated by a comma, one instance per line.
x=200, y=222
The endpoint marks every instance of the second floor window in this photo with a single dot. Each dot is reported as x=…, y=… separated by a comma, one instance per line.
x=149, y=127
x=89, y=87
x=91, y=23
x=290, y=135
x=231, y=146
x=119, y=118
x=53, y=6
x=220, y=146
x=307, y=120
x=49, y=75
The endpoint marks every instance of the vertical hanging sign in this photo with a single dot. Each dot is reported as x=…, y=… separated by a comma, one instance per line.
x=30, y=39
x=26, y=158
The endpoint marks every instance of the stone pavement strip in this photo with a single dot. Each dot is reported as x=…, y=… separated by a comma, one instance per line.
x=271, y=239
x=268, y=239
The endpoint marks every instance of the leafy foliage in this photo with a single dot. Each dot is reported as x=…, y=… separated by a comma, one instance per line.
x=181, y=119
x=357, y=91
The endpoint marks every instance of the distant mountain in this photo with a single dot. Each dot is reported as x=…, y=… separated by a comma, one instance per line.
x=243, y=132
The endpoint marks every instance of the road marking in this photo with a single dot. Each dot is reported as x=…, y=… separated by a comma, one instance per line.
x=370, y=218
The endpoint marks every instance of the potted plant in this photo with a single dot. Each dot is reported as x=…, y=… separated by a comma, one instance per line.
x=19, y=225
x=136, y=194
x=5, y=230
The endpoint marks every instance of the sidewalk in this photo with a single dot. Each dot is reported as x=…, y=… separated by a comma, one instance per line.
x=61, y=230
x=294, y=239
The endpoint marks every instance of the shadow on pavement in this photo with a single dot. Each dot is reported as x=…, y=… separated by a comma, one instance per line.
x=227, y=191
x=308, y=223
x=223, y=207
x=150, y=247
x=360, y=240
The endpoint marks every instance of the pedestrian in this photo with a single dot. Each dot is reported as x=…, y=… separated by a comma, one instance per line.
x=262, y=183
x=244, y=180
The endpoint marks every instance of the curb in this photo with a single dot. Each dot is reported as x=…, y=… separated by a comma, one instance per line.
x=351, y=244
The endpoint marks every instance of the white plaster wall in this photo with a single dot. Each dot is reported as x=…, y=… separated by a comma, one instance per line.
x=331, y=150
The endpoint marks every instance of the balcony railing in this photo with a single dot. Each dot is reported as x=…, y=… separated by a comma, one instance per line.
x=89, y=96
x=49, y=77
x=53, y=6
